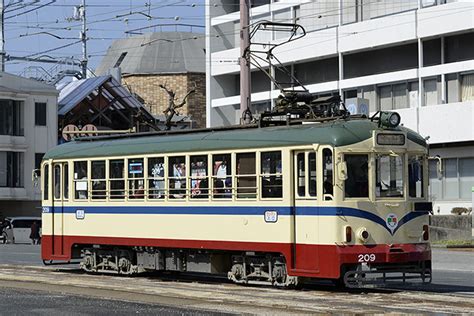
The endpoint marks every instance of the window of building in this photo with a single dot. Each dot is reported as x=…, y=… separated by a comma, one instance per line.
x=40, y=113
x=222, y=176
x=38, y=159
x=272, y=185
x=467, y=87
x=246, y=176
x=466, y=178
x=98, y=181
x=11, y=118
x=415, y=176
x=177, y=177
x=156, y=178
x=396, y=96
x=456, y=182
x=80, y=180
x=117, y=179
x=136, y=181
x=430, y=90
x=383, y=60
x=11, y=169
x=199, y=177
x=357, y=183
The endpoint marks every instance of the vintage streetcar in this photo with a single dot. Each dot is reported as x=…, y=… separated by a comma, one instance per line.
x=342, y=198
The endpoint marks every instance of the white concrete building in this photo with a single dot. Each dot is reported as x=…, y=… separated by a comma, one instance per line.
x=28, y=128
x=412, y=56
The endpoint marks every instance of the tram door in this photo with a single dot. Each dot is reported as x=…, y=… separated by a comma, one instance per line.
x=305, y=221
x=60, y=195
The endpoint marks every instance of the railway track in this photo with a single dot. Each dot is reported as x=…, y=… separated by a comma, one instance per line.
x=214, y=293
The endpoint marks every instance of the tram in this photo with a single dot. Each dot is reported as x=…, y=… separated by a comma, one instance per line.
x=343, y=198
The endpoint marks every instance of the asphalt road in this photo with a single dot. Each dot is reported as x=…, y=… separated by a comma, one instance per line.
x=17, y=301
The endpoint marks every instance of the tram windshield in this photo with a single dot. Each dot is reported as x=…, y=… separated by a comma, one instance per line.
x=389, y=176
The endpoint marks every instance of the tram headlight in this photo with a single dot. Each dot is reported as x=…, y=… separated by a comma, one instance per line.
x=389, y=119
x=363, y=234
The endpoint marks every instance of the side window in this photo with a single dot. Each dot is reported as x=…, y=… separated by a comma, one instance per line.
x=222, y=176
x=312, y=174
x=177, y=177
x=98, y=179
x=136, y=182
x=328, y=173
x=246, y=176
x=117, y=179
x=272, y=185
x=57, y=182
x=66, y=181
x=46, y=182
x=301, y=174
x=199, y=179
x=156, y=178
x=80, y=180
x=357, y=183
x=415, y=176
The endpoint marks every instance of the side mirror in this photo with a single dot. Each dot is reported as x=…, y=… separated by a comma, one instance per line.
x=342, y=171
x=35, y=174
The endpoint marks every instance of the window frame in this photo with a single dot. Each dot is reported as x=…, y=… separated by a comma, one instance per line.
x=369, y=176
x=262, y=175
x=41, y=114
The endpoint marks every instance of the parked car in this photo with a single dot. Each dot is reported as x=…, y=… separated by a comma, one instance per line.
x=17, y=229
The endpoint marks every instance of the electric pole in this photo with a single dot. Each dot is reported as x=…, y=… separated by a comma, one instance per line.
x=2, y=35
x=84, y=40
x=245, y=91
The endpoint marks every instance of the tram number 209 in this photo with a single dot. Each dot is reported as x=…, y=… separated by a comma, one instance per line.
x=366, y=257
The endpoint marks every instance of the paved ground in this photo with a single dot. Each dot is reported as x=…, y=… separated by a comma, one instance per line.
x=452, y=291
x=18, y=301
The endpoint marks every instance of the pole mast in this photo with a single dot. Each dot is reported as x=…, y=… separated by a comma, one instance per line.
x=2, y=35
x=245, y=91
x=84, y=40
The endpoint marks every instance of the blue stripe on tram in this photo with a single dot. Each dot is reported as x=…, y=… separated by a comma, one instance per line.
x=243, y=210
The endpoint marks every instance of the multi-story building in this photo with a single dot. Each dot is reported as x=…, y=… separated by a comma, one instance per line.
x=412, y=56
x=28, y=128
x=173, y=59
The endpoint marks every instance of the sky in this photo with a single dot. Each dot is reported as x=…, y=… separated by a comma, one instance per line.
x=45, y=27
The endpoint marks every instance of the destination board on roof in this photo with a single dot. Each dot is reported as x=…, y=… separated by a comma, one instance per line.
x=391, y=139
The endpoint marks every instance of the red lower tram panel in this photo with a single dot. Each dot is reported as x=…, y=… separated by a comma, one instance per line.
x=317, y=261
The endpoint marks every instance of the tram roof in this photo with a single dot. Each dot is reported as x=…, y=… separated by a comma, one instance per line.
x=335, y=133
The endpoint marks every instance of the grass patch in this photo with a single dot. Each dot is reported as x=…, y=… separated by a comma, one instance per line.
x=454, y=242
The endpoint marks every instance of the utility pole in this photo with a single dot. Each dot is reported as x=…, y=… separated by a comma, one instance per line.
x=245, y=91
x=84, y=40
x=2, y=35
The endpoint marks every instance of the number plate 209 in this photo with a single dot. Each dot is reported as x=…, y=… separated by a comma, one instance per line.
x=368, y=257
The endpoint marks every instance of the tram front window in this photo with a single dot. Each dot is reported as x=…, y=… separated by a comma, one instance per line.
x=389, y=172
x=357, y=183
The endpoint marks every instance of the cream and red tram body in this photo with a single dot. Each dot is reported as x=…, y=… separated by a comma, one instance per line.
x=342, y=200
